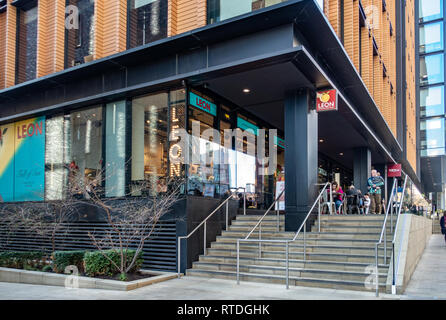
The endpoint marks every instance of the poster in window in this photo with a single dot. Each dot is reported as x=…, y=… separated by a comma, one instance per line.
x=280, y=204
x=29, y=160
x=7, y=151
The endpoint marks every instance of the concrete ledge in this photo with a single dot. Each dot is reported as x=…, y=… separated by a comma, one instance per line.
x=412, y=236
x=54, y=279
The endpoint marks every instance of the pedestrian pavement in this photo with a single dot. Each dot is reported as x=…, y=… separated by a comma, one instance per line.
x=429, y=279
x=428, y=282
x=190, y=288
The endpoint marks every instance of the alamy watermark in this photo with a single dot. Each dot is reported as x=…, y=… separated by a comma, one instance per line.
x=208, y=147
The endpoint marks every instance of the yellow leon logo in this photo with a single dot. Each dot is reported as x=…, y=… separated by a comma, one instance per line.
x=324, y=96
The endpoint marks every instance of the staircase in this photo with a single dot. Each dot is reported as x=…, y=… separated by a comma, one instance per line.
x=342, y=256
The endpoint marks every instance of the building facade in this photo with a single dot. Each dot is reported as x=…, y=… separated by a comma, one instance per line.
x=431, y=98
x=101, y=85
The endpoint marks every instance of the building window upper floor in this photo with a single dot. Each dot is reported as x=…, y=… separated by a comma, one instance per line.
x=26, y=54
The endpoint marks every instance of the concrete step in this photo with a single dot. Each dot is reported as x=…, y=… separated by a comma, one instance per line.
x=325, y=256
x=295, y=263
x=299, y=248
x=293, y=281
x=268, y=217
x=356, y=229
x=314, y=241
x=348, y=217
x=269, y=228
x=293, y=272
x=309, y=235
x=252, y=224
x=359, y=222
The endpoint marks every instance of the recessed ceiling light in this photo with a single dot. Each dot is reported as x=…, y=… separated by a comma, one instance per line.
x=341, y=154
x=246, y=90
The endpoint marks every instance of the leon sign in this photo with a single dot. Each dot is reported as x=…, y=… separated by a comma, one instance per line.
x=394, y=170
x=327, y=100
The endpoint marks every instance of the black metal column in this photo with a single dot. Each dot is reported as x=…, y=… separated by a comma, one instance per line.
x=301, y=156
x=362, y=162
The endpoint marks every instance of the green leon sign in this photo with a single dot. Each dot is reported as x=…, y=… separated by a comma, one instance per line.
x=245, y=125
x=279, y=142
x=202, y=104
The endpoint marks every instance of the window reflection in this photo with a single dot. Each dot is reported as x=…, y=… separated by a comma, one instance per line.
x=430, y=10
x=431, y=37
x=147, y=21
x=26, y=45
x=80, y=41
x=431, y=69
x=219, y=10
x=432, y=101
x=432, y=137
x=85, y=148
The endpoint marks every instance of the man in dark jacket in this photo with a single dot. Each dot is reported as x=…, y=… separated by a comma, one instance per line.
x=443, y=226
x=375, y=183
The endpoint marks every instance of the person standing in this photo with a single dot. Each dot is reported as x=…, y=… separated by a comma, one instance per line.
x=375, y=183
x=443, y=225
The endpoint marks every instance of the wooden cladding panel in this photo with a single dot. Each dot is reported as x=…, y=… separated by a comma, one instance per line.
x=2, y=48
x=334, y=15
x=189, y=14
x=172, y=17
x=8, y=46
x=50, y=36
x=411, y=129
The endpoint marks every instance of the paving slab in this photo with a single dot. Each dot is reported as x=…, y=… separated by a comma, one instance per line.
x=429, y=279
x=193, y=288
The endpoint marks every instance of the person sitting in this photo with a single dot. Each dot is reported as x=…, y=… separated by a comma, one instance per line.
x=337, y=195
x=352, y=200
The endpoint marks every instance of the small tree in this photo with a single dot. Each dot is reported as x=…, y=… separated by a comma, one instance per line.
x=133, y=220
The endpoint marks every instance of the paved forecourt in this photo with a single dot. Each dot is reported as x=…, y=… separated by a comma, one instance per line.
x=194, y=288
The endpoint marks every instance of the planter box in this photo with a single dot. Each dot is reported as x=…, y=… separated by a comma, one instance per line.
x=70, y=281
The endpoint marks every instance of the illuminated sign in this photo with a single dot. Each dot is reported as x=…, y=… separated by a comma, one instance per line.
x=327, y=100
x=247, y=126
x=279, y=142
x=202, y=104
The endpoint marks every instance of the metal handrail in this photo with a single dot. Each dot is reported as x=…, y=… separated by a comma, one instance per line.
x=283, y=241
x=394, y=238
x=383, y=235
x=267, y=211
x=205, y=221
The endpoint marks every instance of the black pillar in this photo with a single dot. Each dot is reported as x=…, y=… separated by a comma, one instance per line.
x=362, y=163
x=301, y=156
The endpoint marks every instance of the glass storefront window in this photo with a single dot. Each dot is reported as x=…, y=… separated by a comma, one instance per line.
x=80, y=41
x=203, y=175
x=26, y=44
x=432, y=137
x=219, y=10
x=147, y=21
x=431, y=69
x=56, y=158
x=430, y=10
x=150, y=142
x=432, y=101
x=85, y=147
x=115, y=141
x=431, y=37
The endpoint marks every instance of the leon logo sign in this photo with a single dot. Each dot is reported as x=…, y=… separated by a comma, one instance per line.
x=327, y=100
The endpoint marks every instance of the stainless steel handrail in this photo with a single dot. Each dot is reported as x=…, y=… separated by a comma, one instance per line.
x=304, y=223
x=267, y=211
x=394, y=238
x=383, y=234
x=205, y=221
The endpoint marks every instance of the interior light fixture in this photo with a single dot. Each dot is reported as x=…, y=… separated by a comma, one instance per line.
x=246, y=90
